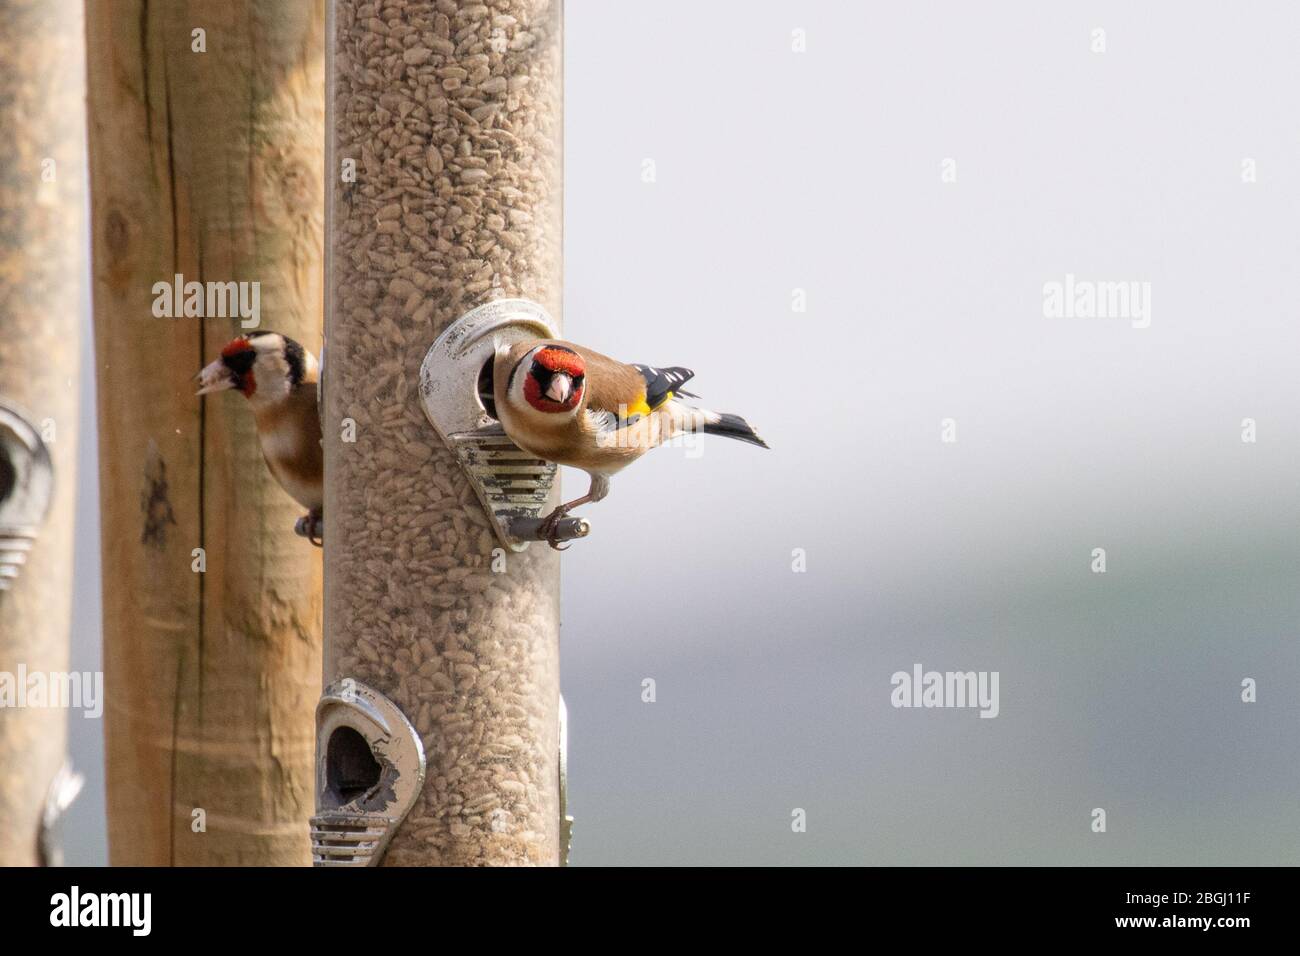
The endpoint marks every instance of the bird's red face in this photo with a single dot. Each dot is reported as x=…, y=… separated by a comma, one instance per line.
x=233, y=370
x=556, y=379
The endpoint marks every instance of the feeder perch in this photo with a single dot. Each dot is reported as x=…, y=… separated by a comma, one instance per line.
x=456, y=380
x=26, y=483
x=369, y=771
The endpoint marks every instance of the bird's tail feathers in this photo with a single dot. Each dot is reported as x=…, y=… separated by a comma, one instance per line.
x=731, y=426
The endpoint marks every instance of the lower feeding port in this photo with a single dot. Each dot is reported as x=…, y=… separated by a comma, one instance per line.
x=369, y=771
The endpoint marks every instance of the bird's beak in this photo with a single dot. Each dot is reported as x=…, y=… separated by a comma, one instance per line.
x=560, y=389
x=216, y=377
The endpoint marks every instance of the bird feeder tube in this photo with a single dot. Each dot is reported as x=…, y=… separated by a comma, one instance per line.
x=445, y=163
x=42, y=258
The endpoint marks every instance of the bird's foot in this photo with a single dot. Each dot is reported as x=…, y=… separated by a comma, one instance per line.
x=550, y=528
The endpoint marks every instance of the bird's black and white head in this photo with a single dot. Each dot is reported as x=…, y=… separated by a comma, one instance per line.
x=550, y=379
x=265, y=366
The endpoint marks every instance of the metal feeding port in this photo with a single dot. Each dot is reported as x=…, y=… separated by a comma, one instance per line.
x=369, y=770
x=26, y=484
x=456, y=382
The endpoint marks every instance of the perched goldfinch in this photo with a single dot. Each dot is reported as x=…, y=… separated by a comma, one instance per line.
x=278, y=377
x=572, y=406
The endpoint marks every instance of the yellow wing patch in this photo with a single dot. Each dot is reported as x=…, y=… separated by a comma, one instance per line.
x=639, y=407
x=643, y=408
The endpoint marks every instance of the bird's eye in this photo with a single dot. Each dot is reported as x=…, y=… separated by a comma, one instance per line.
x=240, y=362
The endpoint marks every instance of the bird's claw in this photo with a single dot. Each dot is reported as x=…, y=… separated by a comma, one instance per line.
x=314, y=525
x=550, y=529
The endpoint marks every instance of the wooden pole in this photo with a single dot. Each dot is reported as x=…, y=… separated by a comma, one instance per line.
x=449, y=115
x=206, y=141
x=42, y=261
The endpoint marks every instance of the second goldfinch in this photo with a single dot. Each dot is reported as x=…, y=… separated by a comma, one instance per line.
x=278, y=377
x=572, y=406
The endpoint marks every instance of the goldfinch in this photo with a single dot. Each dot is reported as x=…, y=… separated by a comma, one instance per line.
x=278, y=377
x=572, y=406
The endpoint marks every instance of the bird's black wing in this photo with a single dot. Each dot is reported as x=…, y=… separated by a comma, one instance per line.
x=663, y=383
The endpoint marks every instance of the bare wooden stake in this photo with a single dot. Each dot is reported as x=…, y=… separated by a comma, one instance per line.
x=206, y=143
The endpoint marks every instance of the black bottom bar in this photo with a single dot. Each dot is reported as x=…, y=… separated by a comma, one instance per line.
x=207, y=906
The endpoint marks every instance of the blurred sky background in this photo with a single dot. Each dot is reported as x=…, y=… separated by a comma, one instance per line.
x=777, y=170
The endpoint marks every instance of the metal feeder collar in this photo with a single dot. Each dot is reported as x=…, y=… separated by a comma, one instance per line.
x=513, y=486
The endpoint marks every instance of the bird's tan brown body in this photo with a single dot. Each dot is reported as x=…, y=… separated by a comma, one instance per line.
x=572, y=406
x=289, y=433
x=612, y=387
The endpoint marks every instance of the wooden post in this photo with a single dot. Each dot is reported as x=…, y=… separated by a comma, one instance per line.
x=42, y=262
x=206, y=148
x=445, y=170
